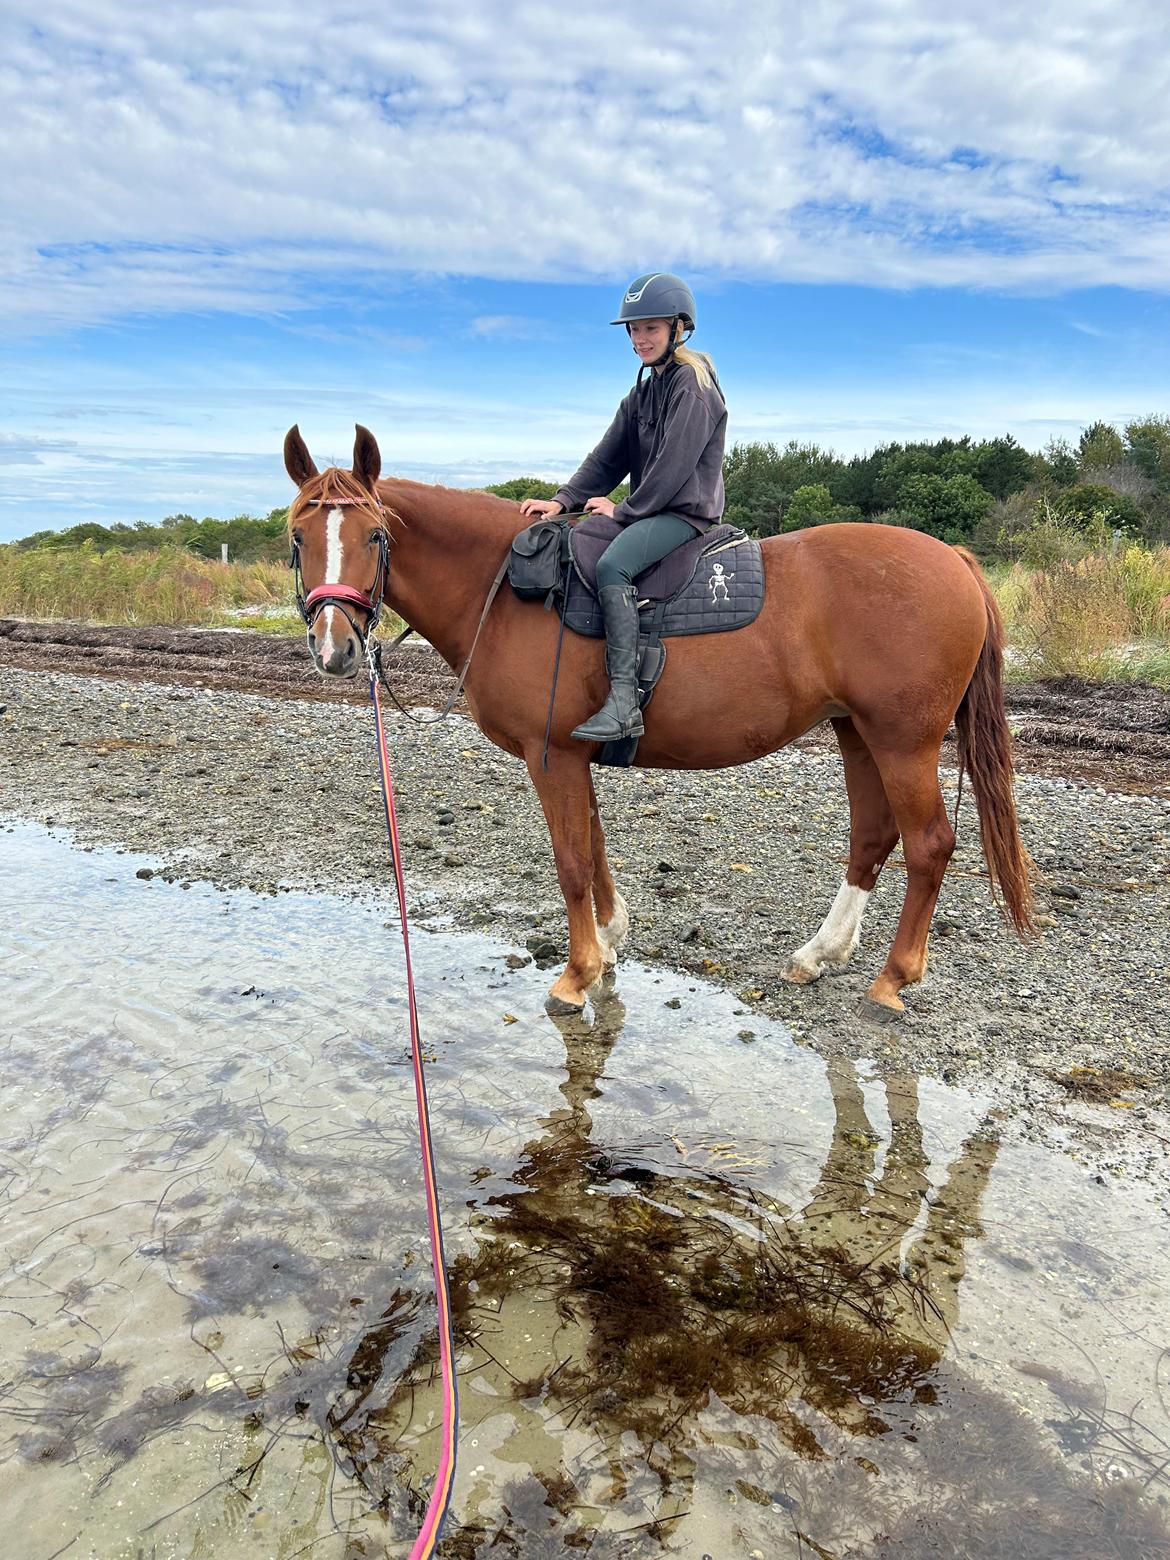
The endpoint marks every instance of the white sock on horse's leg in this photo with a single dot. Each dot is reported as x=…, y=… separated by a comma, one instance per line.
x=838, y=935
x=614, y=932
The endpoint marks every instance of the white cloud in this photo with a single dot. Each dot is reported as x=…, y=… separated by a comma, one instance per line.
x=30, y=450
x=511, y=327
x=174, y=158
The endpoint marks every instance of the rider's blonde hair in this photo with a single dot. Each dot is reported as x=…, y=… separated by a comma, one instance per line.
x=699, y=361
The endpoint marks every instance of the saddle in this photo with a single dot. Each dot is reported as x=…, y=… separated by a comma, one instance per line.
x=710, y=585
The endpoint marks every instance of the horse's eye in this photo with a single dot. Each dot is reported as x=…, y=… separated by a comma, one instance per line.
x=374, y=535
x=298, y=537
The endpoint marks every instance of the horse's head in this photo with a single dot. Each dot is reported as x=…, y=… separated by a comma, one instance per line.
x=340, y=551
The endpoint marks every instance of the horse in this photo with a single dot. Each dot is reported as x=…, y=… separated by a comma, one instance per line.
x=887, y=633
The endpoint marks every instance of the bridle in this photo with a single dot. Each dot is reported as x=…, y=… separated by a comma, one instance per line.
x=335, y=594
x=343, y=597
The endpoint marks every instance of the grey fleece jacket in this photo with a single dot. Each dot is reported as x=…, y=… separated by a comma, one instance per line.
x=667, y=437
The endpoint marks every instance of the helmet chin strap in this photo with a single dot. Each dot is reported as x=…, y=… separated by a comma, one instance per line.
x=662, y=361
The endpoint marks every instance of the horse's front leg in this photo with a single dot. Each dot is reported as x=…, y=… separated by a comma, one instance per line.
x=566, y=794
x=613, y=919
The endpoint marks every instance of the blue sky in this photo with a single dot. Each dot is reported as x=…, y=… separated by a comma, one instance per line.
x=899, y=224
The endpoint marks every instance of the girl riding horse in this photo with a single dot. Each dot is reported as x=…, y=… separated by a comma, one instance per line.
x=667, y=436
x=885, y=632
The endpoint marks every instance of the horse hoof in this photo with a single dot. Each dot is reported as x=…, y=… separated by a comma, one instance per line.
x=879, y=1013
x=557, y=1007
x=799, y=975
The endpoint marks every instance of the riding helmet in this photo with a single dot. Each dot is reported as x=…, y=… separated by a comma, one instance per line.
x=657, y=296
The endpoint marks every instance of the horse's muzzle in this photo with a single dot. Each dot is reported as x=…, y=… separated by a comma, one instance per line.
x=336, y=657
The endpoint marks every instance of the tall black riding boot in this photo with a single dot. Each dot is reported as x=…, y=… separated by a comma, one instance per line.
x=619, y=716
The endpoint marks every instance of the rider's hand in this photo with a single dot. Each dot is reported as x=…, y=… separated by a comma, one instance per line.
x=599, y=506
x=541, y=506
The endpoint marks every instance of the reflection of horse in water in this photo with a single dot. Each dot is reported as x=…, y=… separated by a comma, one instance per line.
x=656, y=1355
x=614, y=1317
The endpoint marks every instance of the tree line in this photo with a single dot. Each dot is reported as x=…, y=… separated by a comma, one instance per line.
x=991, y=494
x=248, y=538
x=987, y=494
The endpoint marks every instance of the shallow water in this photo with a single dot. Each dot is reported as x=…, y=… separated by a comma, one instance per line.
x=714, y=1296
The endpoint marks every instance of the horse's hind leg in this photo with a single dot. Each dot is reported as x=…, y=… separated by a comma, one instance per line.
x=565, y=794
x=613, y=919
x=873, y=833
x=928, y=843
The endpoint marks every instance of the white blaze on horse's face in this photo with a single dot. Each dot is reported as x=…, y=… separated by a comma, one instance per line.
x=334, y=552
x=335, y=544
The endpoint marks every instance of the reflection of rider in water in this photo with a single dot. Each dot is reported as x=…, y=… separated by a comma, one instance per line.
x=667, y=436
x=613, y=1320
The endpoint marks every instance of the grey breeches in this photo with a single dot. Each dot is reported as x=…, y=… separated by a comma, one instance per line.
x=640, y=544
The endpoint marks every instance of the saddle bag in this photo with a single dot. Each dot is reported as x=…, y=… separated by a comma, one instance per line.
x=536, y=567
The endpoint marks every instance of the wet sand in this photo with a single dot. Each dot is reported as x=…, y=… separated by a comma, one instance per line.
x=715, y=1294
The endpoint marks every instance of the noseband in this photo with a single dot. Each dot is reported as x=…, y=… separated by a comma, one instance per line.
x=334, y=593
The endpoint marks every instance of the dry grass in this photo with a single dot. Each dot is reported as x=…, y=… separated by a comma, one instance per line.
x=1101, y=1085
x=1103, y=617
x=168, y=586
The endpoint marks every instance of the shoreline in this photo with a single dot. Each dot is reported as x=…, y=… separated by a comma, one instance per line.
x=244, y=790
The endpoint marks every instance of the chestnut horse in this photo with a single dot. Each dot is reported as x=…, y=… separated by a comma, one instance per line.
x=887, y=633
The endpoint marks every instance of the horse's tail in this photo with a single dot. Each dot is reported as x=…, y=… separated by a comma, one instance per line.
x=985, y=752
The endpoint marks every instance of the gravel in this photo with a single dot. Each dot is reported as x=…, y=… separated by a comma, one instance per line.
x=724, y=873
x=1119, y=738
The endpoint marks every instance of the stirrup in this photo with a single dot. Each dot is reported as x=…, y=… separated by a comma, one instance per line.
x=608, y=726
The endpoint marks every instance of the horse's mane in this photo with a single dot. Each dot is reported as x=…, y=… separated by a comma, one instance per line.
x=335, y=485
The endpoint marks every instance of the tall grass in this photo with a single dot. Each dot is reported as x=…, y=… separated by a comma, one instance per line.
x=167, y=585
x=1103, y=616
x=1099, y=615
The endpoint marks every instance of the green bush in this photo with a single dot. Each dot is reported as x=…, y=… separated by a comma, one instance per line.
x=1088, y=503
x=520, y=488
x=813, y=505
x=949, y=507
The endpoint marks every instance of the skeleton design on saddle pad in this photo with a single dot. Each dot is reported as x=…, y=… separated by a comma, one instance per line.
x=719, y=582
x=675, y=596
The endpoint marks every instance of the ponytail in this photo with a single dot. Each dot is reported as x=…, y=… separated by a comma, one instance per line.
x=700, y=362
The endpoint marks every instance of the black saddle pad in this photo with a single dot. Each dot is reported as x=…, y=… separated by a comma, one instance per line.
x=715, y=583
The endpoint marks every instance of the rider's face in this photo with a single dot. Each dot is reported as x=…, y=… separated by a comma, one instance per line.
x=649, y=338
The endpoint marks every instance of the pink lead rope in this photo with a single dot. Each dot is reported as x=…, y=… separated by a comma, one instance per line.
x=428, y=1538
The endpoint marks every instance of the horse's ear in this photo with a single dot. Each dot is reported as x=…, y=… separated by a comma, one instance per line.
x=367, y=458
x=297, y=461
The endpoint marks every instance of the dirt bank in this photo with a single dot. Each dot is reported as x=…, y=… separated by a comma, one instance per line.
x=1110, y=735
